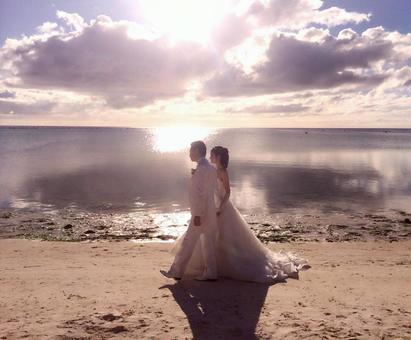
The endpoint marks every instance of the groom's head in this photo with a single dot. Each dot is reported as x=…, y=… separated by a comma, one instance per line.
x=198, y=150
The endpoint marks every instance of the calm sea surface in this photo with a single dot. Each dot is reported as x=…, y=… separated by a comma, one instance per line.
x=271, y=170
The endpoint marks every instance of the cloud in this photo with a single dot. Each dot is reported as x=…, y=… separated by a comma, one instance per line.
x=7, y=94
x=101, y=58
x=290, y=14
x=288, y=109
x=231, y=31
x=271, y=58
x=398, y=78
x=296, y=14
x=294, y=65
x=335, y=16
x=72, y=19
x=23, y=108
x=48, y=28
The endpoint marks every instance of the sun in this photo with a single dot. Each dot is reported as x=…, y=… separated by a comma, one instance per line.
x=187, y=20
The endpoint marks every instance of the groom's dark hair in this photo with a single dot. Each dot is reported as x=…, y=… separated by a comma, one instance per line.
x=200, y=146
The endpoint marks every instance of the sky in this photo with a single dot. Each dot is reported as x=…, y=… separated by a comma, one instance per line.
x=214, y=63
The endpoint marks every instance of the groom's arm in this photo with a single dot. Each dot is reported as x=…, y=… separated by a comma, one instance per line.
x=199, y=195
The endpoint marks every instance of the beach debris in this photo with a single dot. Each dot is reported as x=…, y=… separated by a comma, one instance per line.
x=110, y=317
x=118, y=329
x=76, y=296
x=166, y=237
x=6, y=215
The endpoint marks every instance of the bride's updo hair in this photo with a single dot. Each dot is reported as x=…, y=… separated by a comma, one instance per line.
x=223, y=154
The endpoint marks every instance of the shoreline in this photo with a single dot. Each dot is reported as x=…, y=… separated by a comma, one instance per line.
x=291, y=225
x=101, y=290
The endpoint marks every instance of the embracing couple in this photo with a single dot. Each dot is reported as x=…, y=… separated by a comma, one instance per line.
x=218, y=241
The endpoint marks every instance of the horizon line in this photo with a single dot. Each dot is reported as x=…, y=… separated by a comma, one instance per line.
x=197, y=126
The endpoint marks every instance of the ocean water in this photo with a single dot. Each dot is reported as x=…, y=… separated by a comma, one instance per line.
x=131, y=170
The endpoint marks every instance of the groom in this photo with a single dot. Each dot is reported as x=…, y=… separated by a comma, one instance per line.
x=203, y=224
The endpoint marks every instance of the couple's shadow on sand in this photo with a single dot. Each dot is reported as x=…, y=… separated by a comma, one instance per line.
x=224, y=309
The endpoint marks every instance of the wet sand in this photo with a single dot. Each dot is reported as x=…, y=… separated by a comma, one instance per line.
x=102, y=290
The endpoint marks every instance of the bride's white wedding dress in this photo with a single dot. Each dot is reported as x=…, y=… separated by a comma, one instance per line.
x=240, y=254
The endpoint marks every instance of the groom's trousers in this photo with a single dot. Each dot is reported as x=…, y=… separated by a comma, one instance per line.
x=207, y=241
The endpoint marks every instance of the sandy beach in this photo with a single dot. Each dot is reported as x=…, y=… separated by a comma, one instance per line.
x=101, y=290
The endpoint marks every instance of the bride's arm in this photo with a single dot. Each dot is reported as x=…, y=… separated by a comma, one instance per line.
x=223, y=174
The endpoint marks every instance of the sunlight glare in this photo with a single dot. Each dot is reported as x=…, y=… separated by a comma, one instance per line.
x=191, y=20
x=171, y=139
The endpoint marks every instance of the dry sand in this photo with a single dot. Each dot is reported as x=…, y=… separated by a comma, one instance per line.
x=99, y=290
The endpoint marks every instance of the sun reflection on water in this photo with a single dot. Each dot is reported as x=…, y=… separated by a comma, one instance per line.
x=172, y=139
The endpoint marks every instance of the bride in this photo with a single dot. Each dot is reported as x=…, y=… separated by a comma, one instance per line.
x=240, y=254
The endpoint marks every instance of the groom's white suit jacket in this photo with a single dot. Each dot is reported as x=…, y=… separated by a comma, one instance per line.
x=202, y=190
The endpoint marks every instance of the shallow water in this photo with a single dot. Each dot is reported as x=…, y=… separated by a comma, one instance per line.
x=129, y=170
